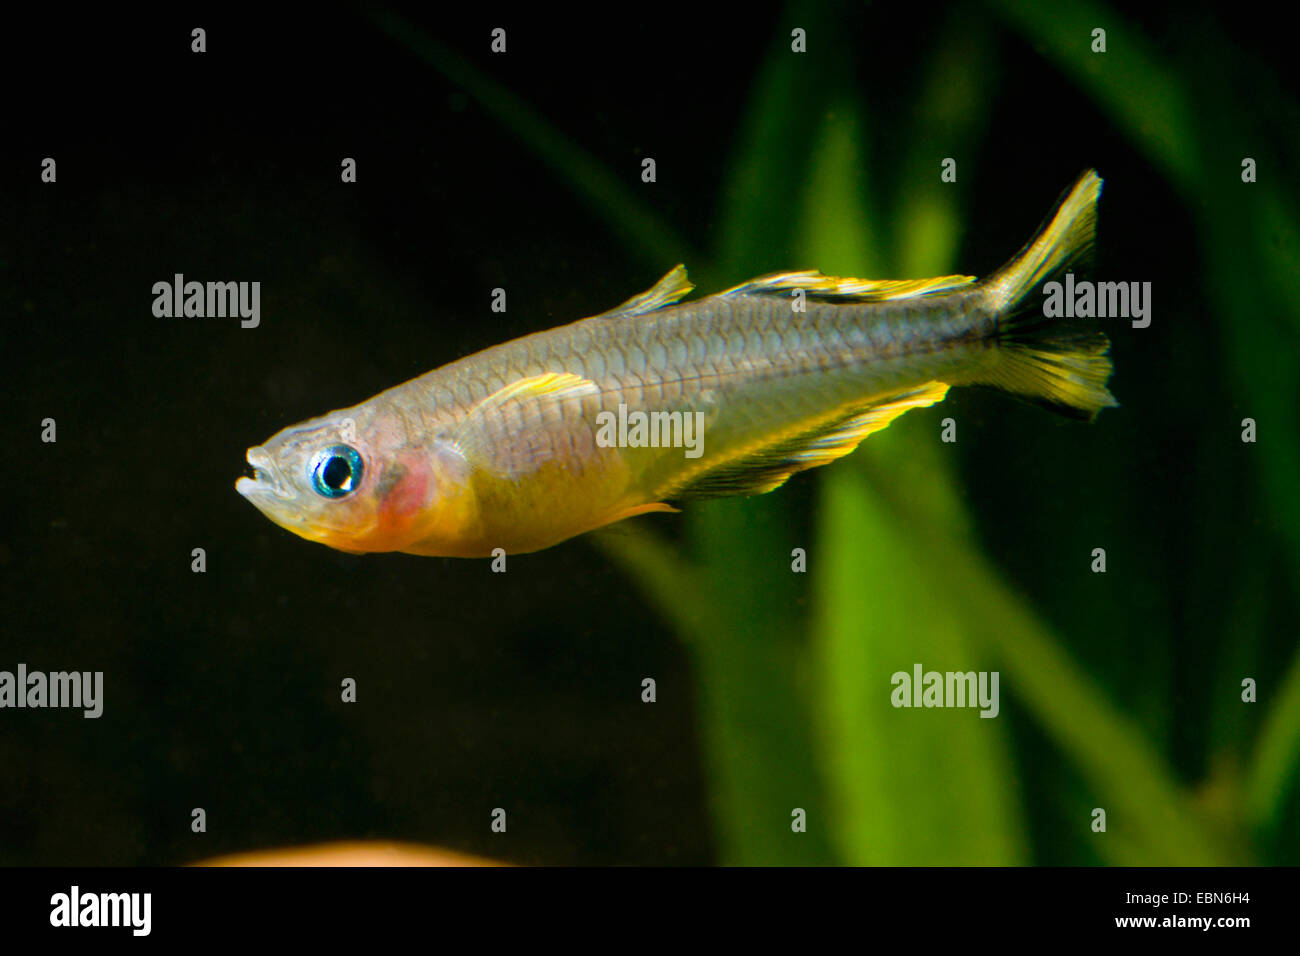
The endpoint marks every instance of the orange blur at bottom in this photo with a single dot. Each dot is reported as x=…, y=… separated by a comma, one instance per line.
x=352, y=854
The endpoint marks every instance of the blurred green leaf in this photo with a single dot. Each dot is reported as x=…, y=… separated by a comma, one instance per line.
x=752, y=700
x=1131, y=780
x=761, y=199
x=911, y=787
x=1189, y=122
x=879, y=609
x=1279, y=740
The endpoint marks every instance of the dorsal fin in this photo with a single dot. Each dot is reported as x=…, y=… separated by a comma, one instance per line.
x=764, y=466
x=838, y=288
x=671, y=288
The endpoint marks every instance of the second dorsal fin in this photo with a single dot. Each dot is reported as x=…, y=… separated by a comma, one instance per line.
x=839, y=288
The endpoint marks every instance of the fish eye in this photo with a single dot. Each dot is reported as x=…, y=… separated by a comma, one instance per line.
x=336, y=471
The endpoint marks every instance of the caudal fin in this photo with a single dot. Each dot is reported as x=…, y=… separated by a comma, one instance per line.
x=1051, y=361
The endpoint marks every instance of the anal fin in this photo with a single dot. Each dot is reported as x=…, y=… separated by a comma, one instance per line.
x=849, y=435
x=761, y=468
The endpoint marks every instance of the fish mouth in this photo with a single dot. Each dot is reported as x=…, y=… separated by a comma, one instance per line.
x=266, y=481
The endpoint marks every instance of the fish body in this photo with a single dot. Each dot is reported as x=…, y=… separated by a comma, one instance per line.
x=534, y=441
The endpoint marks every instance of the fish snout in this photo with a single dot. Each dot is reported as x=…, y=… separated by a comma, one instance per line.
x=267, y=481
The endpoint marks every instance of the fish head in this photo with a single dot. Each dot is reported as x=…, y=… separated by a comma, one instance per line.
x=352, y=480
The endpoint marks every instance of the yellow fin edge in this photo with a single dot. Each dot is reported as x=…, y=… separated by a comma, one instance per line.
x=765, y=466
x=849, y=288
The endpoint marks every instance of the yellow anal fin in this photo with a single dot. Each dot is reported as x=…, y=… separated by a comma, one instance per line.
x=758, y=470
x=671, y=288
x=845, y=289
x=850, y=434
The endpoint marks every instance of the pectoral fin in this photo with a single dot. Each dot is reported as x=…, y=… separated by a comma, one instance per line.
x=513, y=431
x=553, y=386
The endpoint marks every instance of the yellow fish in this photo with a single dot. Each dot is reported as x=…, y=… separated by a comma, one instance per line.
x=526, y=444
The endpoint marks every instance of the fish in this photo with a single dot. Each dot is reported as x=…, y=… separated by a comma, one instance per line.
x=664, y=400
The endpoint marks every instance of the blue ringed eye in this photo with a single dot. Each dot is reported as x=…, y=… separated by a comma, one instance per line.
x=336, y=471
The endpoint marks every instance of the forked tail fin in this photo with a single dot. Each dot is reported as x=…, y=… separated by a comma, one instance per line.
x=1052, y=361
